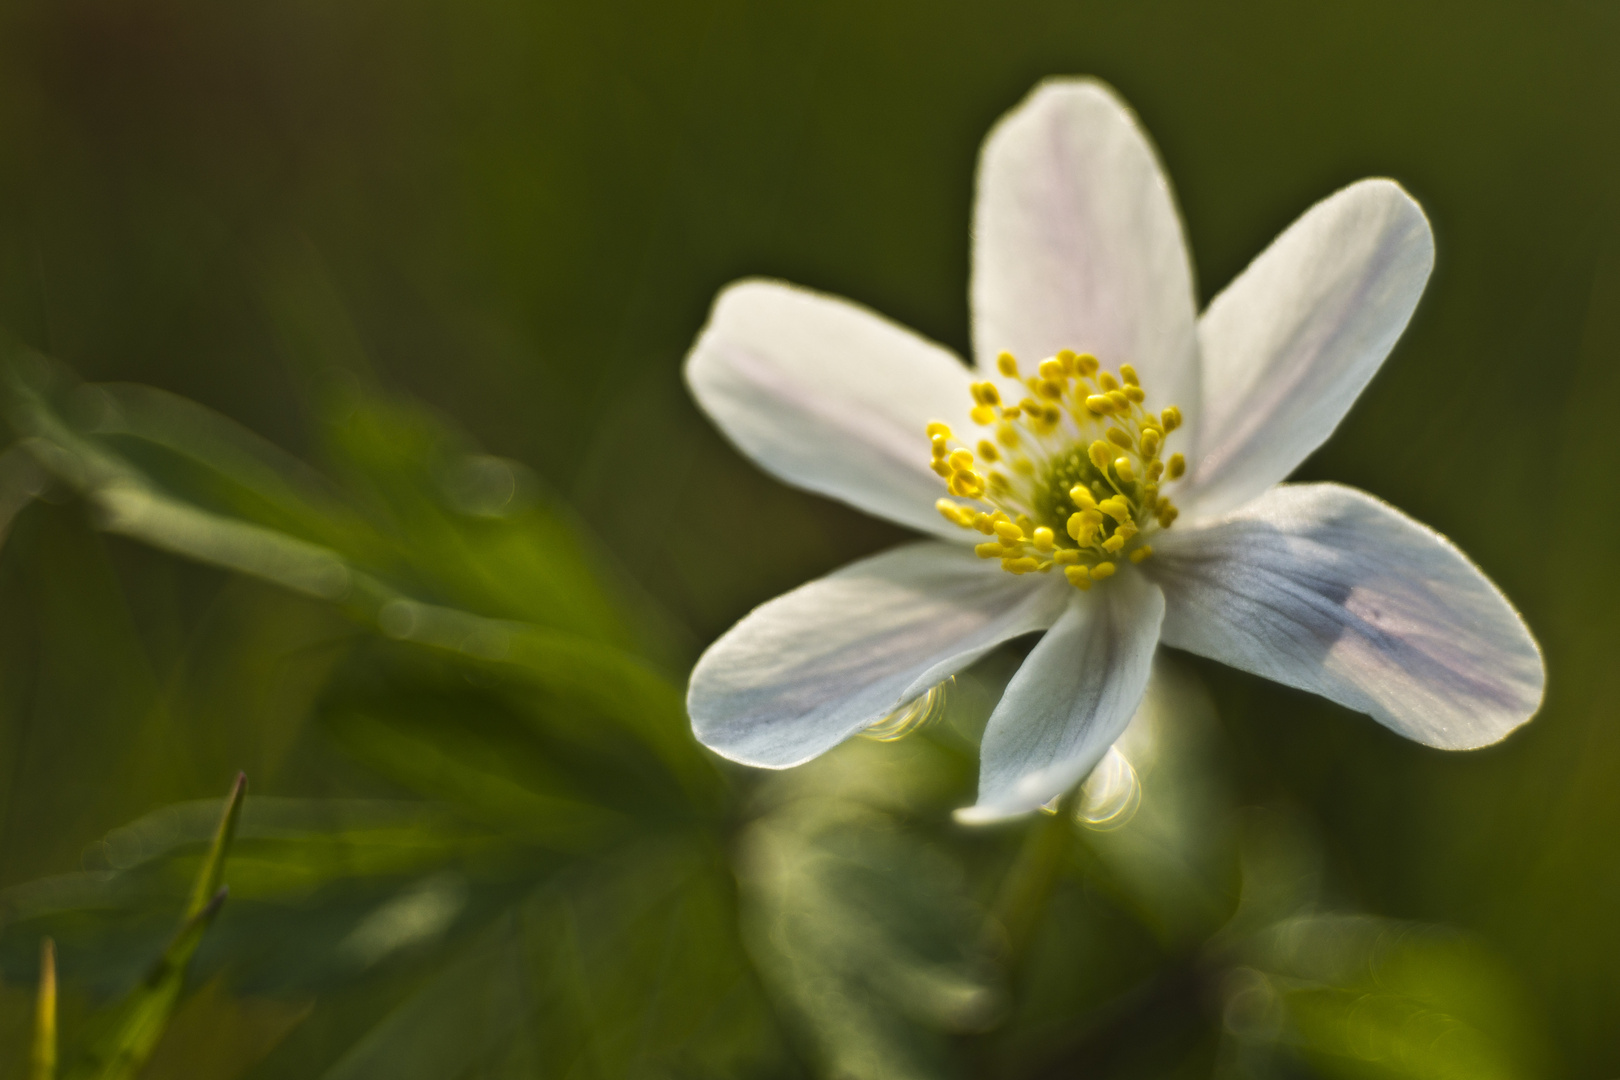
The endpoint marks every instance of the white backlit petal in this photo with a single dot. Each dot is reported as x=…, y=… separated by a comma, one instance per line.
x=1071, y=699
x=804, y=672
x=1077, y=244
x=1327, y=589
x=1288, y=346
x=831, y=397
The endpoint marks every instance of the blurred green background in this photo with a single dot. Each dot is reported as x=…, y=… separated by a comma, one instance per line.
x=307, y=216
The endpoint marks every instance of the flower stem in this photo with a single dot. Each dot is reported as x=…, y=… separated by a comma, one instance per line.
x=1021, y=902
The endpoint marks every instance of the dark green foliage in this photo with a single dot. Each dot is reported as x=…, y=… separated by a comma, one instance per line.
x=483, y=842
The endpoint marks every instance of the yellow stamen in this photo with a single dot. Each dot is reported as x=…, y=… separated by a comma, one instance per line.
x=1077, y=468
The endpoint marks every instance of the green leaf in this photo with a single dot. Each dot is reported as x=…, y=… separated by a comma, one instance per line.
x=862, y=925
x=628, y=967
x=1363, y=997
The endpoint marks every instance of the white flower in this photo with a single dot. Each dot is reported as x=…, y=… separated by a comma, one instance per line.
x=1079, y=260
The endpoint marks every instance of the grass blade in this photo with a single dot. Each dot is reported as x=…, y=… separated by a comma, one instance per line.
x=44, y=1057
x=139, y=1021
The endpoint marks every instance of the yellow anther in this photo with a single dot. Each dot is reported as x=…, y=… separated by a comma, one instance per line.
x=1031, y=443
x=1082, y=529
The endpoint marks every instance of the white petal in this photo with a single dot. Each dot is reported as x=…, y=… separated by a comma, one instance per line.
x=801, y=674
x=1327, y=589
x=831, y=397
x=1288, y=346
x=1077, y=243
x=1070, y=700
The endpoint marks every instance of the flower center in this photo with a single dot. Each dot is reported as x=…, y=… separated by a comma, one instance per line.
x=1072, y=475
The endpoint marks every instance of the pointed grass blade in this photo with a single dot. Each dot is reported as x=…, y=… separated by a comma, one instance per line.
x=44, y=1057
x=138, y=1022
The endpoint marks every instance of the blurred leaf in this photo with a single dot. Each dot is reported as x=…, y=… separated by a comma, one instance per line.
x=1363, y=997
x=521, y=594
x=625, y=969
x=864, y=927
x=133, y=1031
